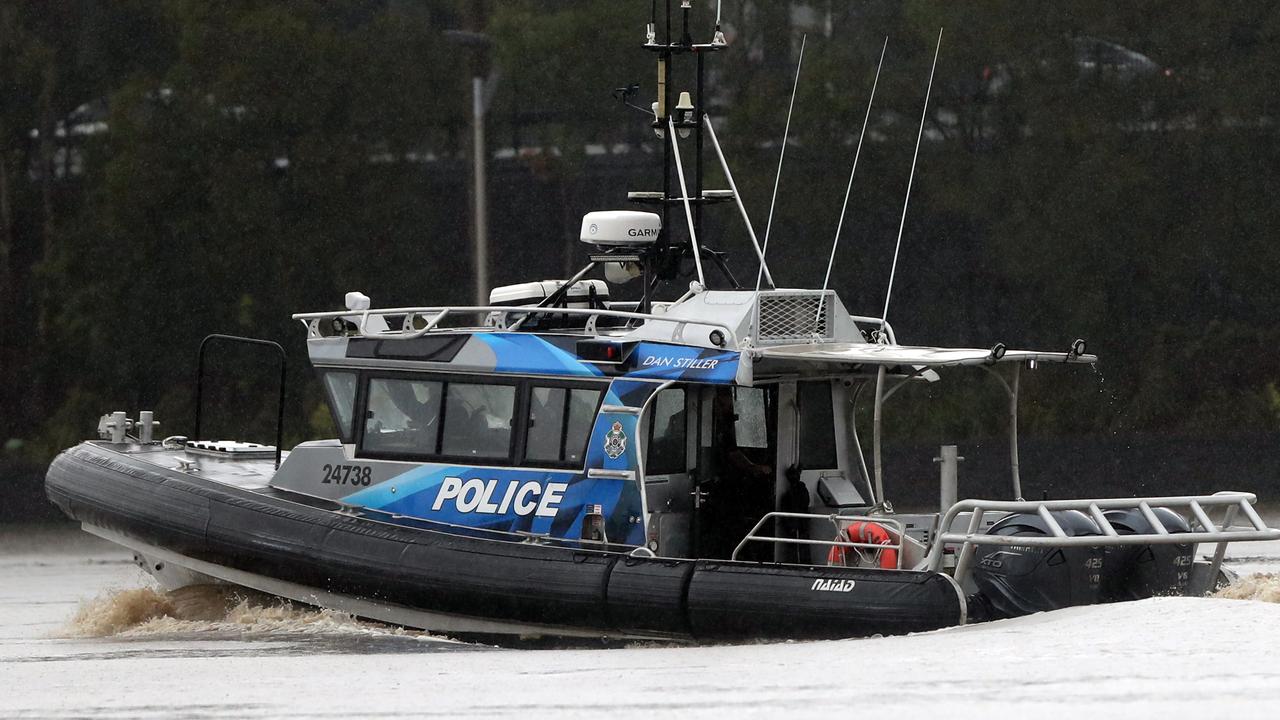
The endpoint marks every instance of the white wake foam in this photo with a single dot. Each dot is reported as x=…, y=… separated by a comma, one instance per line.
x=1259, y=586
x=210, y=609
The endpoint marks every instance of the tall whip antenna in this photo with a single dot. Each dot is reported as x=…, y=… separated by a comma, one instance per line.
x=785, y=133
x=858, y=153
x=884, y=316
x=718, y=38
x=737, y=198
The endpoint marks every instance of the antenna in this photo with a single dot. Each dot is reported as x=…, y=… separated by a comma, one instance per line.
x=785, y=133
x=718, y=38
x=884, y=316
x=858, y=153
x=684, y=191
x=737, y=198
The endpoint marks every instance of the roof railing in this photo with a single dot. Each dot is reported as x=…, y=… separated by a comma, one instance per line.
x=503, y=317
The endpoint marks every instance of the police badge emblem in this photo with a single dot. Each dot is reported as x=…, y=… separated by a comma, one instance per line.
x=615, y=441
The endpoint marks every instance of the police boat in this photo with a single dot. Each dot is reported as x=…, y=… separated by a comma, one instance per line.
x=563, y=463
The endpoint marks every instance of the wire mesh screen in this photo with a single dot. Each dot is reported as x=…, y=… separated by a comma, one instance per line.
x=793, y=317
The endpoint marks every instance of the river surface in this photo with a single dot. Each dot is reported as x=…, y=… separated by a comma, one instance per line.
x=82, y=634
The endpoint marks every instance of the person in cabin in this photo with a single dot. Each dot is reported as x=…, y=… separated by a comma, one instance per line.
x=743, y=488
x=732, y=458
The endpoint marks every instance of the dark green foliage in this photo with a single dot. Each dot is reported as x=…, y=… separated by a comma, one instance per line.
x=262, y=158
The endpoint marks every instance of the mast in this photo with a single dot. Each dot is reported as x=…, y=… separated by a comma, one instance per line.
x=680, y=112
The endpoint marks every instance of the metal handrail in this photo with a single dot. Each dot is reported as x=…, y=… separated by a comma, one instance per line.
x=835, y=520
x=204, y=344
x=438, y=313
x=869, y=319
x=1234, y=502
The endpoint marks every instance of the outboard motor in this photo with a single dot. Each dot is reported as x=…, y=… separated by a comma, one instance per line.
x=1134, y=572
x=1018, y=580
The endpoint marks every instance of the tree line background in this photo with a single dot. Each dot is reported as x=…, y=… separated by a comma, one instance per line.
x=174, y=168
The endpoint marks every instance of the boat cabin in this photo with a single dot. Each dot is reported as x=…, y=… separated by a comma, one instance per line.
x=718, y=425
x=626, y=436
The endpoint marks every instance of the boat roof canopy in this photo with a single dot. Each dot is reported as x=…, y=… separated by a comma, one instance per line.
x=895, y=355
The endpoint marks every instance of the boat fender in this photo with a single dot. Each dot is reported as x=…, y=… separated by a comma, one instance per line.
x=863, y=532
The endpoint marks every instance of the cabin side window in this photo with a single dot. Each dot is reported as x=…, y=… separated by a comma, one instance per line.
x=403, y=416
x=453, y=420
x=477, y=420
x=340, y=387
x=560, y=420
x=665, y=451
x=817, y=425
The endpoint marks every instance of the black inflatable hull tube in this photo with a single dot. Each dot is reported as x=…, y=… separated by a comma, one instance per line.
x=729, y=600
x=647, y=596
x=609, y=593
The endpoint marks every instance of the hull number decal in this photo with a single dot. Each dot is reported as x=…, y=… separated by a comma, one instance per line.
x=482, y=496
x=615, y=441
x=347, y=475
x=829, y=585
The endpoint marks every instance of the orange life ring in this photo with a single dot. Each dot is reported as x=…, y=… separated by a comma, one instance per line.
x=864, y=532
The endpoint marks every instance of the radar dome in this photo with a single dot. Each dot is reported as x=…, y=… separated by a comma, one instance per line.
x=614, y=228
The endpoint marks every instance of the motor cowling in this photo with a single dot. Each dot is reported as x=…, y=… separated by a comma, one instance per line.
x=1134, y=572
x=1015, y=580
